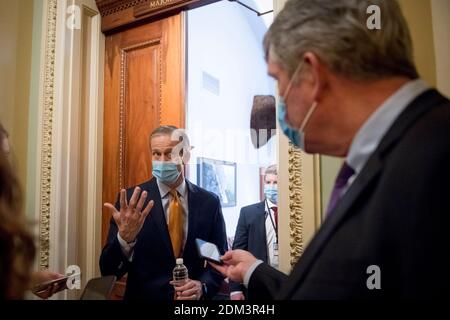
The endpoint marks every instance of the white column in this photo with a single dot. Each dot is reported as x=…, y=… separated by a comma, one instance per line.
x=440, y=11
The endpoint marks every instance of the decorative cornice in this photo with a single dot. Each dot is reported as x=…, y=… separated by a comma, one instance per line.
x=295, y=202
x=108, y=7
x=46, y=140
x=117, y=14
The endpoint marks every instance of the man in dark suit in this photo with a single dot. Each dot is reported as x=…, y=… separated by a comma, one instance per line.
x=178, y=213
x=257, y=229
x=355, y=93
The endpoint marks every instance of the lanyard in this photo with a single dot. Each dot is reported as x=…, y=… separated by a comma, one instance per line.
x=275, y=227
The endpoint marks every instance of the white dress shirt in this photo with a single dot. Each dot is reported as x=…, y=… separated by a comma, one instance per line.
x=164, y=191
x=371, y=132
x=271, y=235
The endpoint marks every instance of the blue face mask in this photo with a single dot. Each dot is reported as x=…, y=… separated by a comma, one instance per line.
x=271, y=192
x=297, y=136
x=166, y=172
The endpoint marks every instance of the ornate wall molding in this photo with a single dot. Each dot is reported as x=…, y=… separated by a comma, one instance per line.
x=46, y=137
x=295, y=203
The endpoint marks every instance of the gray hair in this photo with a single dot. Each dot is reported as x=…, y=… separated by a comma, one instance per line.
x=272, y=169
x=336, y=31
x=174, y=132
x=163, y=131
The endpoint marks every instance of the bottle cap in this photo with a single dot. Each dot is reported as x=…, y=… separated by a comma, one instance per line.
x=179, y=261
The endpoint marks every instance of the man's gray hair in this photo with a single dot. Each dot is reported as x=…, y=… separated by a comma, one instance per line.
x=174, y=132
x=336, y=31
x=272, y=169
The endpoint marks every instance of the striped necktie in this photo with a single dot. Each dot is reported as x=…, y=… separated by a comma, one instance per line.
x=339, y=186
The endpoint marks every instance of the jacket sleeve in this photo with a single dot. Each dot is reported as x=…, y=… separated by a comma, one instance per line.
x=211, y=277
x=112, y=259
x=240, y=242
x=265, y=282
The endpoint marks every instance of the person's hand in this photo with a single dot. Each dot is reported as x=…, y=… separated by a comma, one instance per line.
x=237, y=296
x=44, y=276
x=236, y=264
x=130, y=218
x=191, y=290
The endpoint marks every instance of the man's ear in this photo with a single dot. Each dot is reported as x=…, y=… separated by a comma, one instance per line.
x=186, y=155
x=317, y=74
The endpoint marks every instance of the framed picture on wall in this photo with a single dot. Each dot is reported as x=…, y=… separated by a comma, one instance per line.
x=219, y=177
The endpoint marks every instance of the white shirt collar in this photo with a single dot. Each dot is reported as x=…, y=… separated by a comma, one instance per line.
x=270, y=204
x=165, y=189
x=373, y=130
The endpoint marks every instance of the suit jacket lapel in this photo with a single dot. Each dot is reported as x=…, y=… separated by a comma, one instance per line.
x=193, y=204
x=372, y=168
x=331, y=223
x=157, y=214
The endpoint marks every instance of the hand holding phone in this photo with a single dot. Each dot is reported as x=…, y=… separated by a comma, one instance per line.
x=57, y=282
x=48, y=288
x=208, y=251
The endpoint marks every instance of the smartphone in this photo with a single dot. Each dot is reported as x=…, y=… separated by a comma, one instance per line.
x=208, y=251
x=60, y=284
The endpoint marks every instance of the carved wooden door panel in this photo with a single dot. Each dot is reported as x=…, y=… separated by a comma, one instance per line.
x=144, y=88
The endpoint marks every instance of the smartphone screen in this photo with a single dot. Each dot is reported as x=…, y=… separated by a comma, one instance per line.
x=208, y=251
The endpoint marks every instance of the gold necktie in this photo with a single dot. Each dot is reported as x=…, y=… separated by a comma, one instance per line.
x=176, y=223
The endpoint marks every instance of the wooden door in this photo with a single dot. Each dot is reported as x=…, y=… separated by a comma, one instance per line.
x=144, y=88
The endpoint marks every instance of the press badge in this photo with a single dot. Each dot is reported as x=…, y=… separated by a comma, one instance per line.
x=275, y=255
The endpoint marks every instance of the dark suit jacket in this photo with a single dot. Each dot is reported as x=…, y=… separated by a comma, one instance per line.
x=153, y=261
x=251, y=235
x=394, y=215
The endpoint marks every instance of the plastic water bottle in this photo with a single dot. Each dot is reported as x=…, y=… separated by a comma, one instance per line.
x=180, y=273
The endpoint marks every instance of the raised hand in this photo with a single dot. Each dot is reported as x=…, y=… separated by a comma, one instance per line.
x=45, y=276
x=130, y=218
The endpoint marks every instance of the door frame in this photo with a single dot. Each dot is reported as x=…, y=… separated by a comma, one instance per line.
x=56, y=169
